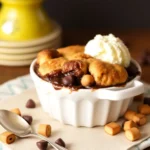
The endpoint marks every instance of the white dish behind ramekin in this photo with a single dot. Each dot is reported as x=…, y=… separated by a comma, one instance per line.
x=86, y=107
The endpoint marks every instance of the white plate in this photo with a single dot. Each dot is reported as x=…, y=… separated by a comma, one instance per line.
x=50, y=37
x=53, y=44
x=75, y=138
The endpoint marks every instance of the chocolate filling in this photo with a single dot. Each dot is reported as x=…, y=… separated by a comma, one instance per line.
x=70, y=80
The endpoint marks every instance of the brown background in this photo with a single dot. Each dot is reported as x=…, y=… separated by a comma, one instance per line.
x=100, y=13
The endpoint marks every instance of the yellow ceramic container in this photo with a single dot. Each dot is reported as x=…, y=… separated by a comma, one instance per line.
x=22, y=20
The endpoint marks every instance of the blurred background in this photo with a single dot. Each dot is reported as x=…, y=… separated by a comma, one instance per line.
x=100, y=13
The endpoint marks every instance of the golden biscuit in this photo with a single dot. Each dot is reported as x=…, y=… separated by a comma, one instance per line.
x=46, y=55
x=69, y=51
x=80, y=56
x=51, y=66
x=106, y=74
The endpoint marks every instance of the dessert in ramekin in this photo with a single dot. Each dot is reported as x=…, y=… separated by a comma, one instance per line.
x=81, y=90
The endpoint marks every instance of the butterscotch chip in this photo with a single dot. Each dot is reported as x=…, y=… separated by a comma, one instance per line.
x=44, y=129
x=112, y=128
x=87, y=80
x=7, y=137
x=144, y=109
x=140, y=119
x=16, y=111
x=129, y=114
x=128, y=125
x=133, y=134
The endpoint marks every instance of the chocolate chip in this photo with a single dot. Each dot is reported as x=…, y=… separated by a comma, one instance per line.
x=28, y=119
x=132, y=70
x=42, y=145
x=30, y=104
x=60, y=142
x=68, y=80
x=147, y=100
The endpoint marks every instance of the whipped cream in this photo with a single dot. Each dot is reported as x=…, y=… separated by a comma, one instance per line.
x=109, y=49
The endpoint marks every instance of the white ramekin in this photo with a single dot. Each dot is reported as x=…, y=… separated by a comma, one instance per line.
x=86, y=107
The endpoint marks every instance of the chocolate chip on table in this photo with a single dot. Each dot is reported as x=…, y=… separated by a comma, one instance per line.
x=30, y=104
x=42, y=145
x=68, y=80
x=28, y=119
x=147, y=100
x=60, y=142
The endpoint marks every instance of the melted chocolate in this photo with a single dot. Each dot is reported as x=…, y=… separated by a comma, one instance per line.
x=132, y=71
x=69, y=80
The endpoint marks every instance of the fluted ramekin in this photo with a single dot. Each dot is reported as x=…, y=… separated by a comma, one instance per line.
x=86, y=107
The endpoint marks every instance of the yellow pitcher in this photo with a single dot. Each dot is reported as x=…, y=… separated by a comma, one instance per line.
x=22, y=20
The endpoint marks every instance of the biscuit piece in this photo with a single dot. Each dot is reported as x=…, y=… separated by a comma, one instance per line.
x=7, y=137
x=80, y=56
x=144, y=109
x=106, y=74
x=139, y=119
x=112, y=128
x=75, y=67
x=46, y=55
x=69, y=51
x=129, y=114
x=51, y=66
x=133, y=134
x=128, y=125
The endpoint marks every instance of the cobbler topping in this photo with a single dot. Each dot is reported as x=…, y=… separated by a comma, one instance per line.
x=70, y=67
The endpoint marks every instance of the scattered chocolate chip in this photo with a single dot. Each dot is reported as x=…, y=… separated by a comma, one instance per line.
x=60, y=142
x=30, y=104
x=28, y=119
x=68, y=80
x=147, y=100
x=42, y=145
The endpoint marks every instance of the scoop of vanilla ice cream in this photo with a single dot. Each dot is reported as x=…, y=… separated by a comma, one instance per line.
x=109, y=49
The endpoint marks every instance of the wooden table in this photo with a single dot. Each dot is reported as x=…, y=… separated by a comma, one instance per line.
x=137, y=40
